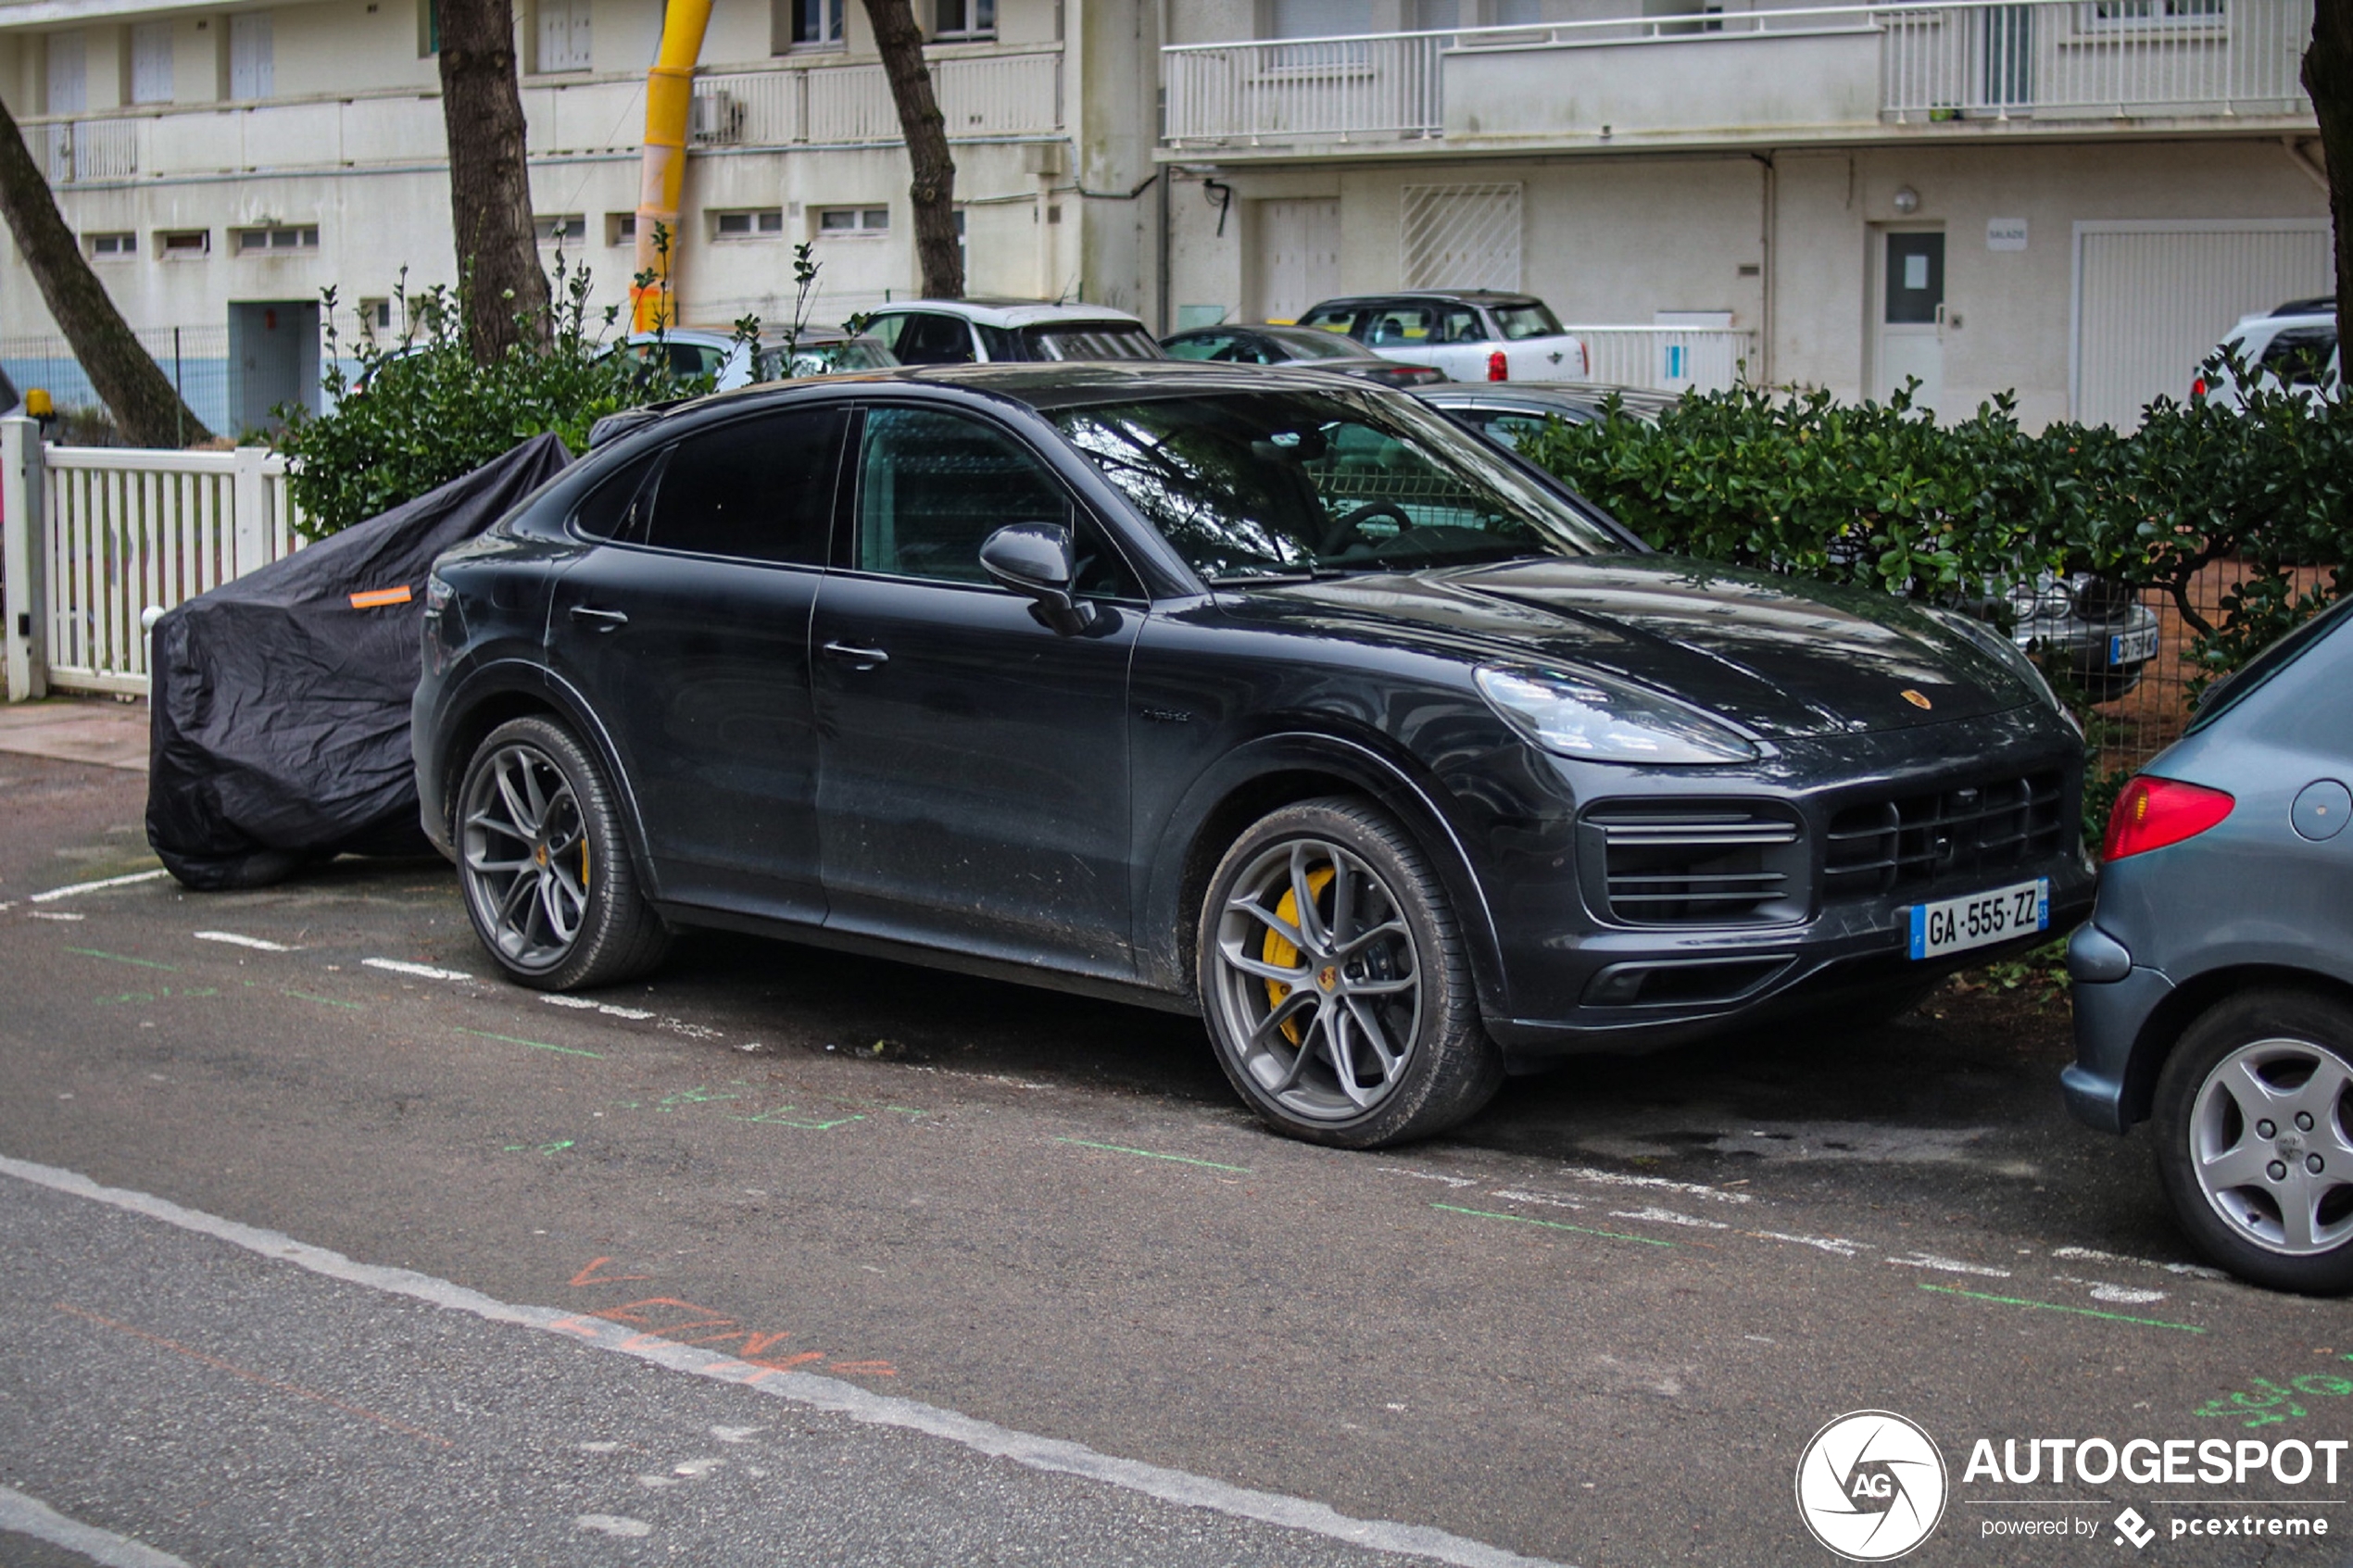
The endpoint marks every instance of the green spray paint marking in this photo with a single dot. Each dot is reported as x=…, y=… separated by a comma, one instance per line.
x=162, y=991
x=2062, y=1306
x=1150, y=1154
x=557, y=1146
x=697, y=1096
x=330, y=1001
x=117, y=957
x=1552, y=1224
x=534, y=1045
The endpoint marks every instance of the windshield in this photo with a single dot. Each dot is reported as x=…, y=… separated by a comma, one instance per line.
x=1287, y=484
x=826, y=358
x=1517, y=321
x=1316, y=346
x=2275, y=657
x=1094, y=339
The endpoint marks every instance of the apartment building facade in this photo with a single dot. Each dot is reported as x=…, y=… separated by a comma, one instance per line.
x=2069, y=198
x=223, y=166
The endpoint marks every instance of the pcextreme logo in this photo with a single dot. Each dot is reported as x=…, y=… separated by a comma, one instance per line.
x=1871, y=1485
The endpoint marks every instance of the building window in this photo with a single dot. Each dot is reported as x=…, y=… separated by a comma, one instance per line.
x=621, y=227
x=966, y=18
x=564, y=36
x=184, y=244
x=106, y=245
x=562, y=227
x=805, y=24
x=281, y=239
x=428, y=29
x=151, y=63
x=375, y=315
x=848, y=222
x=253, y=71
x=65, y=84
x=2126, y=12
x=765, y=224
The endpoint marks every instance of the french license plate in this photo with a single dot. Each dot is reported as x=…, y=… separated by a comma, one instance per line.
x=1980, y=919
x=2132, y=647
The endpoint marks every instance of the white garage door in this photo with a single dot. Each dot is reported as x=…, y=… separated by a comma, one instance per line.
x=1299, y=256
x=2153, y=300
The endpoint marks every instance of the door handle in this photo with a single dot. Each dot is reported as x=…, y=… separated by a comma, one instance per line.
x=602, y=620
x=851, y=654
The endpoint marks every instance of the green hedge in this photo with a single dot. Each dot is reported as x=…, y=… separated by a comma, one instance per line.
x=1886, y=495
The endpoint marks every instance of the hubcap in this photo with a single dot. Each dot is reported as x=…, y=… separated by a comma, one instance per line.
x=1318, y=985
x=2271, y=1141
x=525, y=854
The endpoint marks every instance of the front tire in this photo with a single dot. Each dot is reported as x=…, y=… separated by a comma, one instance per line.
x=1335, y=982
x=2253, y=1119
x=549, y=881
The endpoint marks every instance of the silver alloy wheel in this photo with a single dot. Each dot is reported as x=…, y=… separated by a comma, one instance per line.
x=2272, y=1142
x=524, y=851
x=1318, y=982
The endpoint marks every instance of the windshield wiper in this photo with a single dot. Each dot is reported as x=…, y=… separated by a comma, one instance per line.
x=1284, y=574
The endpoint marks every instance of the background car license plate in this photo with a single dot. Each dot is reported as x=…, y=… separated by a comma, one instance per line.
x=1977, y=920
x=2132, y=647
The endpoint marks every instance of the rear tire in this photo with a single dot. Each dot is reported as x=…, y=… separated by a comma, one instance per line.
x=549, y=884
x=2273, y=1206
x=1336, y=983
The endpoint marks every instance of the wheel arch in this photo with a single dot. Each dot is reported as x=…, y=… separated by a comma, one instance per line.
x=494, y=701
x=2162, y=1031
x=1279, y=771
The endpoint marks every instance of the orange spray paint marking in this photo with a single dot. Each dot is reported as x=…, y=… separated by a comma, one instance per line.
x=589, y=1276
x=294, y=1388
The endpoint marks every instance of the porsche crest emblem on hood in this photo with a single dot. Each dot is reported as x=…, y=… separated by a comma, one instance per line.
x=1916, y=699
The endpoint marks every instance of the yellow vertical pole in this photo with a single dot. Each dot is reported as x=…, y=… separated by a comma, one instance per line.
x=670, y=91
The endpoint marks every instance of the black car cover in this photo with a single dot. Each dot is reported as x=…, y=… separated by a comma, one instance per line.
x=280, y=701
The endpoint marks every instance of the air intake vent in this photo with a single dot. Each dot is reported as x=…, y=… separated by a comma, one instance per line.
x=1883, y=845
x=1699, y=863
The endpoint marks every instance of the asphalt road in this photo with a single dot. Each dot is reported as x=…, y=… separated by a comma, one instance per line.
x=320, y=1245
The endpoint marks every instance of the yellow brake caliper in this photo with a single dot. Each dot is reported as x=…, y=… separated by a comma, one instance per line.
x=1281, y=953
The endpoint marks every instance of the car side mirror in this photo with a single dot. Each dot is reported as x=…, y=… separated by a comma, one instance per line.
x=1037, y=561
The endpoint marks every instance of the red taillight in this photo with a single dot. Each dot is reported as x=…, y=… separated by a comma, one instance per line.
x=2154, y=812
x=1498, y=368
x=2198, y=387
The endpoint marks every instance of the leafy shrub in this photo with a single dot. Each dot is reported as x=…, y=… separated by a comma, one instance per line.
x=418, y=412
x=1885, y=495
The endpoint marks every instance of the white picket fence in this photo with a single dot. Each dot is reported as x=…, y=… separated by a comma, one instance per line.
x=98, y=537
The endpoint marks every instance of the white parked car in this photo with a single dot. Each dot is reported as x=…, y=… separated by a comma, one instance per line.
x=1472, y=334
x=707, y=351
x=985, y=330
x=2294, y=346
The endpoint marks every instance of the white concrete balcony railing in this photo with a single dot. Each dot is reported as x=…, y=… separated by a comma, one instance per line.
x=1773, y=72
x=981, y=97
x=987, y=95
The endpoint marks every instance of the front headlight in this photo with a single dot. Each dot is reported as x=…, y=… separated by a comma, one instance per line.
x=1605, y=721
x=2006, y=652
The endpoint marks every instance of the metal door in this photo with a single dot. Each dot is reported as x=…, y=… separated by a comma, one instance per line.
x=1911, y=339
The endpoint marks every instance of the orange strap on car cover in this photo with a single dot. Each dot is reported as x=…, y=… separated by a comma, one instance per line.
x=376, y=598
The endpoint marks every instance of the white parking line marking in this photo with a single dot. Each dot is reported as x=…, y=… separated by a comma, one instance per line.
x=30, y=1516
x=614, y=1525
x=1948, y=1265
x=1834, y=1244
x=584, y=1005
x=1660, y=1183
x=68, y=891
x=2123, y=1295
x=421, y=971
x=259, y=944
x=1050, y=1454
x=1658, y=1216
x=53, y=914
x=2093, y=1255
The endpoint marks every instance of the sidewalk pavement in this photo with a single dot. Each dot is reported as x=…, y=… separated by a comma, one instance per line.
x=96, y=730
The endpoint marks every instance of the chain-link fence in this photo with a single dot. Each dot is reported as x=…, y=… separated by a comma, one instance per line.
x=195, y=360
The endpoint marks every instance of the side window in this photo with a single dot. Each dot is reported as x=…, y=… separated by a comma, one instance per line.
x=759, y=489
x=1458, y=325
x=933, y=486
x=1401, y=326
x=2299, y=355
x=617, y=508
x=886, y=329
x=1335, y=319
x=695, y=358
x=934, y=340
x=1206, y=345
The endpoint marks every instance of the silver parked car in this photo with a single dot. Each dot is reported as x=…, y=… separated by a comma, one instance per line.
x=2214, y=982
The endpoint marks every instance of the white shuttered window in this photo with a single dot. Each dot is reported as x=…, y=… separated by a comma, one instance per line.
x=151, y=63
x=564, y=36
x=253, y=71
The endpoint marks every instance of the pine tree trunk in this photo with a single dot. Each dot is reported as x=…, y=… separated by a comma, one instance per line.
x=933, y=190
x=506, y=294
x=145, y=408
x=2328, y=78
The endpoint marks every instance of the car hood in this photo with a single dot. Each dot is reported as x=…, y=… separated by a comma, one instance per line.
x=1776, y=657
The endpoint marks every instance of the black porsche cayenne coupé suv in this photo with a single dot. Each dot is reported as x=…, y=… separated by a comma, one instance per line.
x=1249, y=692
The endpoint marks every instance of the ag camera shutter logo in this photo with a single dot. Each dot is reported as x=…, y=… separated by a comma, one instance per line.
x=1871, y=1486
